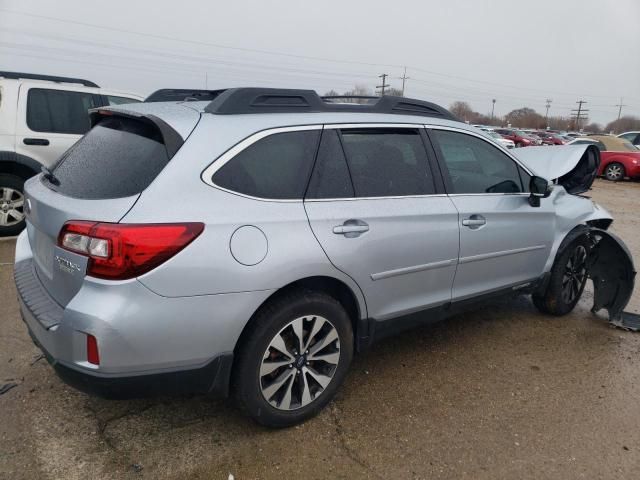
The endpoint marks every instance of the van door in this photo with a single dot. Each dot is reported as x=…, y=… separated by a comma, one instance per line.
x=373, y=207
x=50, y=119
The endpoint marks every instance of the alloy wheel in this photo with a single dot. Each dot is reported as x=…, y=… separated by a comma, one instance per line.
x=11, y=206
x=575, y=275
x=300, y=362
x=614, y=172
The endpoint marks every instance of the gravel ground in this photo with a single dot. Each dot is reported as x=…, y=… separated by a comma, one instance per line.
x=501, y=392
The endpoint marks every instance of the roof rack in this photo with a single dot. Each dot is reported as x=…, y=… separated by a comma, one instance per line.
x=275, y=100
x=182, y=94
x=50, y=78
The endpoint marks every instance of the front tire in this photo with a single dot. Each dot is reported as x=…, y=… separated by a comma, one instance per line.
x=292, y=362
x=567, y=279
x=614, y=172
x=12, y=217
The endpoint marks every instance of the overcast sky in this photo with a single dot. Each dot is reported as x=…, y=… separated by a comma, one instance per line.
x=518, y=52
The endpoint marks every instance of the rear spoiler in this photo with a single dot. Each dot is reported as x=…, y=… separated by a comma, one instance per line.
x=171, y=138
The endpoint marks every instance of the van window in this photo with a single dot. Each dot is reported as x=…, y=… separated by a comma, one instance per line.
x=275, y=167
x=59, y=111
x=114, y=100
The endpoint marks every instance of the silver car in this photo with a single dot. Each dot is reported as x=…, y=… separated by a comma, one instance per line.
x=251, y=244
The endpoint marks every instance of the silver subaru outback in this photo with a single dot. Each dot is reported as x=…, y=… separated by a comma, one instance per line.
x=250, y=244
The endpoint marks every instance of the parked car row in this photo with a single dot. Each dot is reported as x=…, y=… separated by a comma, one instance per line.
x=619, y=158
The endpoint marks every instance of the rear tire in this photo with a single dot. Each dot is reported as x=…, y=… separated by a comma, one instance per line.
x=279, y=388
x=12, y=218
x=614, y=172
x=567, y=279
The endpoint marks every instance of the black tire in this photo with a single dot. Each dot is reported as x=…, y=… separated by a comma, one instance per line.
x=248, y=384
x=555, y=301
x=10, y=183
x=615, y=172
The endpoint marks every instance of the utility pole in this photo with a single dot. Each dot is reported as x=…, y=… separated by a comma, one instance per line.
x=493, y=107
x=620, y=105
x=579, y=114
x=384, y=83
x=546, y=116
x=403, y=78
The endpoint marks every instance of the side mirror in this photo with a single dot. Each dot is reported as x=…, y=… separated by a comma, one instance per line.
x=539, y=188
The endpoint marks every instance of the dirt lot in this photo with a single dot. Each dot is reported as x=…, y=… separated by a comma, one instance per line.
x=502, y=392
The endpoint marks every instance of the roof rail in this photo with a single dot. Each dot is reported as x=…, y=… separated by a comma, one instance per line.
x=275, y=100
x=182, y=94
x=50, y=78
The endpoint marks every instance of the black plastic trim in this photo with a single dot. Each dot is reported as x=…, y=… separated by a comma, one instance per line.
x=277, y=100
x=23, y=160
x=49, y=78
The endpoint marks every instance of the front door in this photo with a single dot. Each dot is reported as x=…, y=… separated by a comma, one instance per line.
x=504, y=241
x=373, y=207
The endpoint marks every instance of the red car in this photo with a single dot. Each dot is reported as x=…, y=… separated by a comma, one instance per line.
x=518, y=137
x=549, y=138
x=618, y=157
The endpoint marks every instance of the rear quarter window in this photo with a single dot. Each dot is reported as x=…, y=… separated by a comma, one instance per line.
x=119, y=157
x=275, y=167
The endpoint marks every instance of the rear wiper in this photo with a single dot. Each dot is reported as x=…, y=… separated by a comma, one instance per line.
x=48, y=174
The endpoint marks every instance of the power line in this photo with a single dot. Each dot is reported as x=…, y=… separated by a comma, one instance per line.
x=270, y=52
x=404, y=78
x=579, y=114
x=546, y=115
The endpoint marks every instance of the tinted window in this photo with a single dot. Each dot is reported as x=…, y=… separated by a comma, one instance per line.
x=277, y=167
x=330, y=178
x=113, y=100
x=476, y=166
x=119, y=157
x=59, y=111
x=387, y=162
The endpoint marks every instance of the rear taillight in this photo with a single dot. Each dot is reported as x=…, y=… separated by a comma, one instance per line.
x=119, y=251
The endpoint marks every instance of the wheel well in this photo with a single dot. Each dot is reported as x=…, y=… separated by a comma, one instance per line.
x=331, y=286
x=17, y=169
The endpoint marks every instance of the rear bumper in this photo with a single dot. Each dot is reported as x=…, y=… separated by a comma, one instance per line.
x=213, y=378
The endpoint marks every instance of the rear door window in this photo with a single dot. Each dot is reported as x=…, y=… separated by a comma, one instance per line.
x=59, y=111
x=119, y=157
x=275, y=167
x=387, y=162
x=330, y=178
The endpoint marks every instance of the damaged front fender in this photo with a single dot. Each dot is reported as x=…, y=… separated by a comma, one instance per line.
x=611, y=269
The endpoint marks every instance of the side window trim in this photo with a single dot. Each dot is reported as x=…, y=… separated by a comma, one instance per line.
x=207, y=174
x=445, y=171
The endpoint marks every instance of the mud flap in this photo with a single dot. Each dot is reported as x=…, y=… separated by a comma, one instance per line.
x=613, y=274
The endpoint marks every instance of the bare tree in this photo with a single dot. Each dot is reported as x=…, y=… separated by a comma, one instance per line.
x=625, y=123
x=525, y=117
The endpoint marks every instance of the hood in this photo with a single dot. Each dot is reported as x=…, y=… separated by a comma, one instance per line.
x=573, y=166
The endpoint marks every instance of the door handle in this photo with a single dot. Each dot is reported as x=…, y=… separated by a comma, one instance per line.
x=474, y=221
x=36, y=141
x=351, y=228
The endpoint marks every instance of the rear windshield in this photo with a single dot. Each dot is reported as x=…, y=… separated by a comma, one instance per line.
x=119, y=157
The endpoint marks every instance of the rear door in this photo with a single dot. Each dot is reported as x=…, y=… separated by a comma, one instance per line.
x=504, y=242
x=51, y=119
x=373, y=205
x=99, y=179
